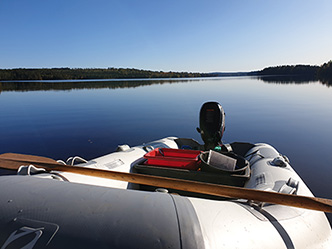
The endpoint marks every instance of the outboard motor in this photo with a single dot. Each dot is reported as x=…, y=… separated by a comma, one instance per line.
x=212, y=124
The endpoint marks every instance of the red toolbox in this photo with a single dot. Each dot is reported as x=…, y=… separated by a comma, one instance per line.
x=174, y=158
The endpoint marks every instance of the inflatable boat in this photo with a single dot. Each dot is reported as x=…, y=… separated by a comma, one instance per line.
x=161, y=194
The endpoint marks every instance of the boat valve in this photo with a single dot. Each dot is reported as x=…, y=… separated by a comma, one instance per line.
x=161, y=190
x=290, y=187
x=279, y=161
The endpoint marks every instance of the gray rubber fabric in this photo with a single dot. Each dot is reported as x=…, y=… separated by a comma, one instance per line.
x=37, y=212
x=190, y=229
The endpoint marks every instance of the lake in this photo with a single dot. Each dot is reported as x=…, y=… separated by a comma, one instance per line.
x=67, y=118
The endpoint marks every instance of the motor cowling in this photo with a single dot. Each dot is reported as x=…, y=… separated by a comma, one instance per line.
x=211, y=124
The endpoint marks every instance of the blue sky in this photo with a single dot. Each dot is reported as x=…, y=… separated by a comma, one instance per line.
x=168, y=35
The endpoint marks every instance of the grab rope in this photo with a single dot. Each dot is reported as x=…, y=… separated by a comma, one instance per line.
x=72, y=160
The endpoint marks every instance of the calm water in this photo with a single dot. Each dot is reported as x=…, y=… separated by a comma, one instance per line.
x=62, y=119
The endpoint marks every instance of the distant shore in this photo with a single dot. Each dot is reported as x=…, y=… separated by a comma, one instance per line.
x=89, y=73
x=323, y=72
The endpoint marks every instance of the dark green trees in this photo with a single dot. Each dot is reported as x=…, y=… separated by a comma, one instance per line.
x=90, y=73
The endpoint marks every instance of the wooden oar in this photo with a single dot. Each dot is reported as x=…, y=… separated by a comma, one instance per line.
x=14, y=161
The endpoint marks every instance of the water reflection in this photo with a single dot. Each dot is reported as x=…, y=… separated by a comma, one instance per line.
x=327, y=82
x=22, y=86
x=287, y=79
x=293, y=79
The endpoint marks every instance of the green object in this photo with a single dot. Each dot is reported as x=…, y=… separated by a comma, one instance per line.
x=217, y=148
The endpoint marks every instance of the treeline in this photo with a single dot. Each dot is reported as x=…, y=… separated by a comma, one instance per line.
x=300, y=70
x=325, y=71
x=89, y=73
x=318, y=72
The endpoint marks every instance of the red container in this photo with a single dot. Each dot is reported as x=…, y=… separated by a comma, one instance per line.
x=173, y=158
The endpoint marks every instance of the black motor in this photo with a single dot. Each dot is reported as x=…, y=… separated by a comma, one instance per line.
x=212, y=124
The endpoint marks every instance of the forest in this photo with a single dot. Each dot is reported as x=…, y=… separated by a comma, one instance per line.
x=325, y=71
x=297, y=73
x=303, y=70
x=319, y=72
x=89, y=73
x=322, y=73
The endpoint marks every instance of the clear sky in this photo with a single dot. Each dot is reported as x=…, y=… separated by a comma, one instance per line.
x=165, y=35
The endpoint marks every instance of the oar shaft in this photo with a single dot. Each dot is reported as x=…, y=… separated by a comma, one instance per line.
x=313, y=203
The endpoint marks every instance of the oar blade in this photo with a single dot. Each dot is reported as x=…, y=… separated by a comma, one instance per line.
x=27, y=158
